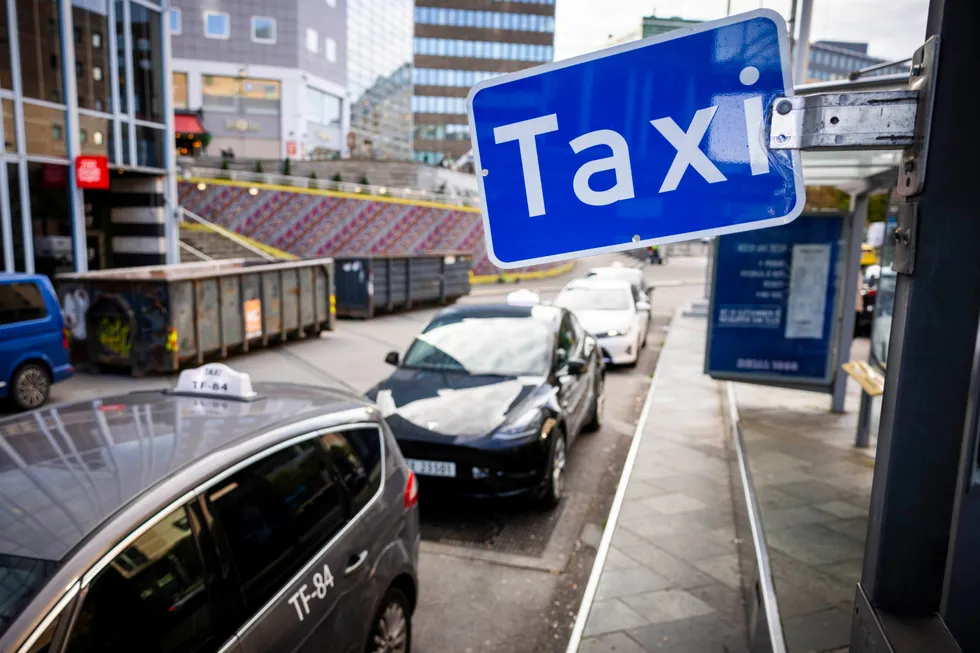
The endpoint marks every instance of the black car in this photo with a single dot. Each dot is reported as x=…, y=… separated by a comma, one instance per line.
x=488, y=399
x=208, y=518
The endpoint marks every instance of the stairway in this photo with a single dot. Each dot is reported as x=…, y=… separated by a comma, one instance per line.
x=211, y=244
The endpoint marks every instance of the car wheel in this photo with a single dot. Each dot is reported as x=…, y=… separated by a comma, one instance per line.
x=598, y=403
x=30, y=386
x=392, y=628
x=555, y=478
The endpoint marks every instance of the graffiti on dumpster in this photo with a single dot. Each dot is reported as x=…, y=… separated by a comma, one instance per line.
x=113, y=334
x=75, y=306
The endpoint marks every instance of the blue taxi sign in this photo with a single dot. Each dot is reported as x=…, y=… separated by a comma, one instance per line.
x=651, y=142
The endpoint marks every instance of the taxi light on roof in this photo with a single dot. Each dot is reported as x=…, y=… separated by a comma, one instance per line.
x=523, y=297
x=215, y=380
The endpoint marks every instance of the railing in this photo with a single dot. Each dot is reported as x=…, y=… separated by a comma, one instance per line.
x=195, y=252
x=230, y=235
x=451, y=197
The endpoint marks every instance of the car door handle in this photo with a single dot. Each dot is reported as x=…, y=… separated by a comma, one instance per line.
x=354, y=562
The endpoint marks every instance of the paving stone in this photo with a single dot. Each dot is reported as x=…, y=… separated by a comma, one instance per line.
x=618, y=642
x=635, y=511
x=776, y=476
x=776, y=518
x=814, y=544
x=726, y=601
x=678, y=572
x=848, y=571
x=671, y=504
x=693, y=546
x=771, y=496
x=819, y=631
x=707, y=634
x=623, y=582
x=638, y=489
x=610, y=616
x=814, y=491
x=667, y=605
x=856, y=528
x=724, y=568
x=812, y=579
x=843, y=509
x=616, y=559
x=794, y=601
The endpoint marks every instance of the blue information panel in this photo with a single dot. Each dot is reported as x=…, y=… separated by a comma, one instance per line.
x=773, y=302
x=650, y=142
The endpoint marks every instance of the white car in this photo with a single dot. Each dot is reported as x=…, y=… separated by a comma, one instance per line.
x=618, y=271
x=611, y=310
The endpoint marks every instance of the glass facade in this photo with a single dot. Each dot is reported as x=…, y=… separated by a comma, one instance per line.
x=77, y=77
x=830, y=60
x=379, y=78
x=484, y=49
x=457, y=48
x=487, y=19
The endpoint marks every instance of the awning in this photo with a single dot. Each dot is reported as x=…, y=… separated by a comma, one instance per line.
x=187, y=124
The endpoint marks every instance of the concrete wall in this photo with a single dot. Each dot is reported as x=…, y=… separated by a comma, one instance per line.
x=317, y=224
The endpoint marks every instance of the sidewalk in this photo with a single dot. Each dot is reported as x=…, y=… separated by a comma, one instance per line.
x=814, y=489
x=671, y=578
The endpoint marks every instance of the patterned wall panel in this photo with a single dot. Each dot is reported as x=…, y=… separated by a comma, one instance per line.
x=309, y=224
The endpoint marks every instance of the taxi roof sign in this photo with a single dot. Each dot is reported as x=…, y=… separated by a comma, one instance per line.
x=215, y=380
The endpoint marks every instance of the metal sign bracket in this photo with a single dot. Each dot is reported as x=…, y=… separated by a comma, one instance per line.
x=905, y=235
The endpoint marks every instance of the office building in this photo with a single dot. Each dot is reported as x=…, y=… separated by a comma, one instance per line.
x=829, y=60
x=459, y=43
x=380, y=78
x=264, y=80
x=654, y=26
x=84, y=77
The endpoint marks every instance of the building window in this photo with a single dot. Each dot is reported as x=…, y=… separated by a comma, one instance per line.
x=147, y=63
x=322, y=108
x=180, y=90
x=238, y=95
x=312, y=40
x=330, y=47
x=217, y=25
x=263, y=29
x=37, y=30
x=175, y=21
x=97, y=74
x=96, y=40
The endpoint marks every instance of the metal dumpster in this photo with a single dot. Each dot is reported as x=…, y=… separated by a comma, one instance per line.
x=367, y=285
x=158, y=318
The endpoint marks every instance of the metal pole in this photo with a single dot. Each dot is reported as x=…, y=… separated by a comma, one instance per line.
x=801, y=53
x=728, y=8
x=76, y=202
x=930, y=357
x=863, y=440
x=849, y=281
x=791, y=25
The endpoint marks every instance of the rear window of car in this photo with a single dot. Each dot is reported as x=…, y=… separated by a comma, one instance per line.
x=20, y=302
x=20, y=579
x=356, y=455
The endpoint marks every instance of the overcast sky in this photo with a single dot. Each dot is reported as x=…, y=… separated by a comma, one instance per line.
x=892, y=28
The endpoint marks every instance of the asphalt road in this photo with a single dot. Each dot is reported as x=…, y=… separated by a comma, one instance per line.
x=494, y=576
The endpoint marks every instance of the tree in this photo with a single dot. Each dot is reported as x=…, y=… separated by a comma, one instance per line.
x=337, y=178
x=258, y=167
x=877, y=207
x=313, y=182
x=363, y=181
x=287, y=166
x=224, y=166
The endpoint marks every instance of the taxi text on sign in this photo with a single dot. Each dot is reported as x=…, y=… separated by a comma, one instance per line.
x=656, y=141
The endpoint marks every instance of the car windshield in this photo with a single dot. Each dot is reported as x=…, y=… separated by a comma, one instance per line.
x=506, y=346
x=20, y=578
x=595, y=299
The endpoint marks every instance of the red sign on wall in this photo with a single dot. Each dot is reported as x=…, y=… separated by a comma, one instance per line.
x=92, y=172
x=290, y=148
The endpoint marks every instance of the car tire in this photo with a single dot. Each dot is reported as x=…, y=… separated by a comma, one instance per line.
x=391, y=629
x=598, y=403
x=554, y=487
x=29, y=387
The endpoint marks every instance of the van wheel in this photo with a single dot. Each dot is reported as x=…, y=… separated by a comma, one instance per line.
x=392, y=628
x=30, y=386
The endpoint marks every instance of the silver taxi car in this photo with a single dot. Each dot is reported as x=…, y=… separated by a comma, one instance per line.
x=213, y=517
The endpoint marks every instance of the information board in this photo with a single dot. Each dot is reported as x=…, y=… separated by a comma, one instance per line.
x=774, y=300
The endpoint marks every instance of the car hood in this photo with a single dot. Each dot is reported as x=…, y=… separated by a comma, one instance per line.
x=447, y=404
x=600, y=322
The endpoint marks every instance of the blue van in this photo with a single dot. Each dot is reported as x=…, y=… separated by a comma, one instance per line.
x=33, y=340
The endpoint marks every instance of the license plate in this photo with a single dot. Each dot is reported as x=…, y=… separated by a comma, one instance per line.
x=432, y=468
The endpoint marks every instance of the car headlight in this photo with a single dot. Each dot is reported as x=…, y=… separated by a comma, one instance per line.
x=612, y=333
x=526, y=425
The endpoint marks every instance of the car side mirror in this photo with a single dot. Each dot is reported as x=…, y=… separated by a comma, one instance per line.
x=643, y=305
x=576, y=365
x=392, y=358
